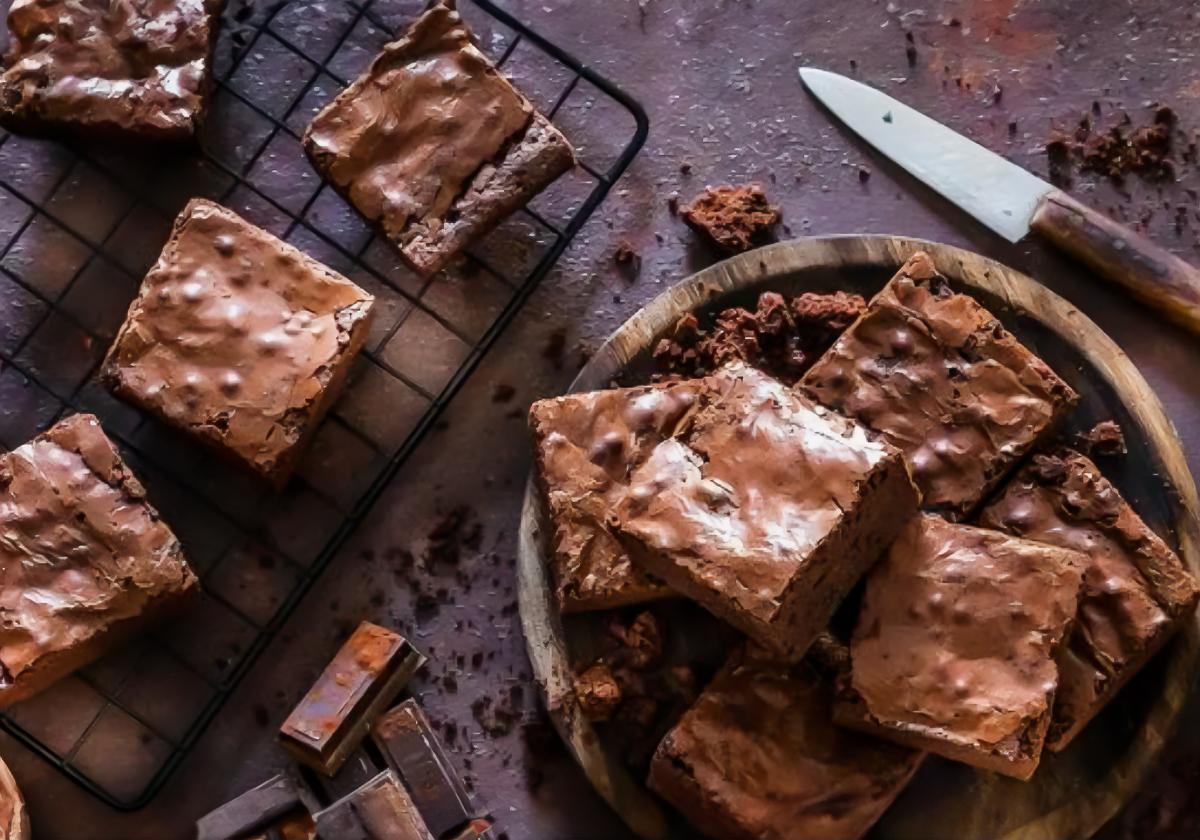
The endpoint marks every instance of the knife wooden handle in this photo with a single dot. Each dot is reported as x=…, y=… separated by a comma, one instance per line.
x=1150, y=273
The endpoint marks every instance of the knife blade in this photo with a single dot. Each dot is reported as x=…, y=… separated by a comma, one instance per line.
x=1008, y=199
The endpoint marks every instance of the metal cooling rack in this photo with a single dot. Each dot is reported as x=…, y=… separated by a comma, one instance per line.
x=79, y=227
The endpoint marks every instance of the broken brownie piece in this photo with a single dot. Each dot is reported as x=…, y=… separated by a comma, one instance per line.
x=433, y=145
x=938, y=376
x=1136, y=591
x=586, y=446
x=765, y=508
x=134, y=69
x=758, y=758
x=381, y=809
x=955, y=644
x=85, y=561
x=735, y=219
x=238, y=339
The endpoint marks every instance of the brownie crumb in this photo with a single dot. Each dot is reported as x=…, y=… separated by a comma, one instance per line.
x=1105, y=438
x=502, y=393
x=627, y=259
x=598, y=693
x=782, y=337
x=554, y=350
x=1121, y=150
x=735, y=219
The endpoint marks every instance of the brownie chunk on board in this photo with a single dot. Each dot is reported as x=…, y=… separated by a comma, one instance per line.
x=1136, y=591
x=758, y=758
x=133, y=69
x=433, y=145
x=735, y=219
x=938, y=376
x=954, y=649
x=765, y=508
x=85, y=560
x=586, y=446
x=238, y=339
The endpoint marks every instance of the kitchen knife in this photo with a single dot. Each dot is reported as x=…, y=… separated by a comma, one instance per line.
x=1008, y=199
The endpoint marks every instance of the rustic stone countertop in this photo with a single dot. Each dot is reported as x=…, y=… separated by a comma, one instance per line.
x=718, y=78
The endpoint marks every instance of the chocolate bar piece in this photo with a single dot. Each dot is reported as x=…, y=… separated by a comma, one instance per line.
x=85, y=561
x=411, y=749
x=361, y=681
x=278, y=808
x=379, y=810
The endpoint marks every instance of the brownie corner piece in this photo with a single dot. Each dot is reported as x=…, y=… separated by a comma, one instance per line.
x=585, y=448
x=112, y=70
x=765, y=508
x=433, y=145
x=939, y=376
x=956, y=643
x=758, y=756
x=85, y=561
x=238, y=339
x=1136, y=594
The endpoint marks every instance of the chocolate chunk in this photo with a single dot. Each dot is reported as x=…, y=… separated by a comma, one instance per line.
x=1105, y=438
x=279, y=807
x=360, y=681
x=598, y=694
x=379, y=810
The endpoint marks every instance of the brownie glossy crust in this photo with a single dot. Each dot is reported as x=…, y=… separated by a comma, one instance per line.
x=433, y=145
x=238, y=339
x=938, y=376
x=85, y=559
x=954, y=649
x=1136, y=591
x=139, y=69
x=586, y=447
x=765, y=508
x=758, y=758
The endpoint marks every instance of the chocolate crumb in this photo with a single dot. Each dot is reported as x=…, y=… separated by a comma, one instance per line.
x=597, y=691
x=735, y=219
x=554, y=348
x=627, y=258
x=1105, y=438
x=502, y=393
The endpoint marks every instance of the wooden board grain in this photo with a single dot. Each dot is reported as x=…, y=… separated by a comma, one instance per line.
x=1073, y=793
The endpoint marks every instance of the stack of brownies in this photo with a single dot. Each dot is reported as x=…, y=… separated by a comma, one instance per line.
x=769, y=505
x=236, y=338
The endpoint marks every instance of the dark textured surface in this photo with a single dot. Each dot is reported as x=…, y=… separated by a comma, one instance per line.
x=718, y=78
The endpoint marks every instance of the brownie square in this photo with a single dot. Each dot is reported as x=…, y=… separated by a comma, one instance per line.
x=433, y=145
x=85, y=560
x=955, y=644
x=136, y=69
x=586, y=447
x=1136, y=591
x=938, y=376
x=765, y=508
x=758, y=758
x=238, y=339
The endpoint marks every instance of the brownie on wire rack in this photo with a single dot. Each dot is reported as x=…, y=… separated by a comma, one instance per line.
x=433, y=145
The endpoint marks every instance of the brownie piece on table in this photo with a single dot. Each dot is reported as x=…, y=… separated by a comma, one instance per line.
x=133, y=69
x=938, y=376
x=381, y=809
x=278, y=809
x=586, y=446
x=85, y=560
x=758, y=758
x=765, y=508
x=238, y=339
x=1136, y=590
x=433, y=145
x=955, y=644
x=735, y=219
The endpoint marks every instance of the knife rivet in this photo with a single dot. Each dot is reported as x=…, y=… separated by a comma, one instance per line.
x=887, y=118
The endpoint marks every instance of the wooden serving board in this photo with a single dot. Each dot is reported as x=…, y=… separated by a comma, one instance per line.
x=1072, y=793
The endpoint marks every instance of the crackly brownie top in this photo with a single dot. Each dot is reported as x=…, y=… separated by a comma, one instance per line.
x=754, y=482
x=958, y=632
x=761, y=747
x=1134, y=586
x=127, y=64
x=405, y=139
x=938, y=376
x=235, y=335
x=587, y=447
x=80, y=547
